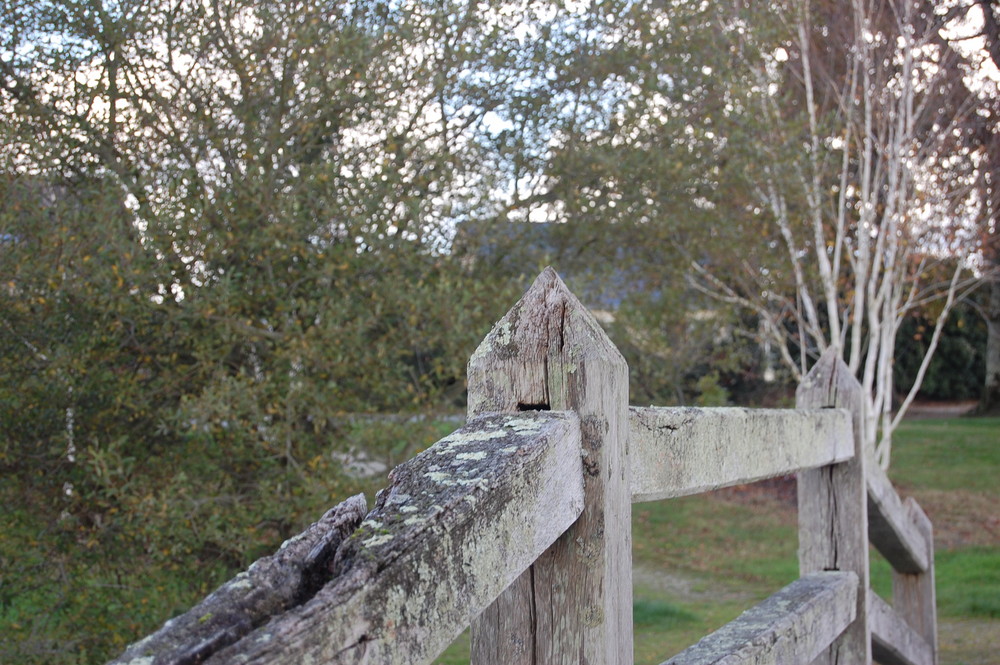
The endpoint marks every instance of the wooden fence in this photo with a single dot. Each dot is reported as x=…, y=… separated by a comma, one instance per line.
x=519, y=524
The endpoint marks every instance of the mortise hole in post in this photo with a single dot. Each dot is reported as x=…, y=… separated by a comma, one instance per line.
x=521, y=406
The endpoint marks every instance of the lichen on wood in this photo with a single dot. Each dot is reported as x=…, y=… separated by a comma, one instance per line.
x=455, y=526
x=575, y=604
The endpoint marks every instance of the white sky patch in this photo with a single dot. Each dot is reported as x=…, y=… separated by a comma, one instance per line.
x=496, y=124
x=960, y=32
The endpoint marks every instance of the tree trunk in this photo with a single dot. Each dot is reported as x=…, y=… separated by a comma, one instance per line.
x=989, y=402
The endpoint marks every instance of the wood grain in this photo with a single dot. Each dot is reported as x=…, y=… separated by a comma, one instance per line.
x=575, y=604
x=913, y=594
x=894, y=642
x=792, y=626
x=456, y=526
x=833, y=505
x=679, y=451
x=890, y=527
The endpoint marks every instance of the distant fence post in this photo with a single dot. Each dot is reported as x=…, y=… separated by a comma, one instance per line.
x=574, y=605
x=913, y=595
x=833, y=505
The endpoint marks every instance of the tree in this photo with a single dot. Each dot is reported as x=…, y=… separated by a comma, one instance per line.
x=221, y=229
x=872, y=192
x=988, y=137
x=280, y=167
x=632, y=162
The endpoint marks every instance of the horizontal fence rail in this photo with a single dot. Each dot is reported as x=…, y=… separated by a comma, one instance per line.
x=681, y=451
x=890, y=527
x=455, y=527
x=519, y=525
x=793, y=626
x=894, y=641
x=272, y=585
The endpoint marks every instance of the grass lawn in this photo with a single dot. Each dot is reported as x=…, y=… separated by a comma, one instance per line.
x=700, y=561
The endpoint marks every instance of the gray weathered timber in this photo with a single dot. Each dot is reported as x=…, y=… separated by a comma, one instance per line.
x=456, y=525
x=575, y=604
x=890, y=528
x=271, y=586
x=681, y=451
x=833, y=505
x=791, y=627
x=913, y=594
x=894, y=642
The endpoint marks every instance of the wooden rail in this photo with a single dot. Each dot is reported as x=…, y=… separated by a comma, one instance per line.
x=681, y=451
x=518, y=524
x=794, y=625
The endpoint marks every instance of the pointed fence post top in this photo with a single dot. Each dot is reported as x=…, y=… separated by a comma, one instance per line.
x=830, y=384
x=549, y=328
x=575, y=604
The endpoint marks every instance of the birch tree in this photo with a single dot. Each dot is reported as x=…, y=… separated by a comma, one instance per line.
x=983, y=40
x=870, y=199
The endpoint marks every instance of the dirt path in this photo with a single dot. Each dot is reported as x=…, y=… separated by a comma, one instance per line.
x=969, y=641
x=923, y=410
x=685, y=588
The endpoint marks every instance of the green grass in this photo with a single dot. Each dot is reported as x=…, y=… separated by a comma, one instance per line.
x=656, y=613
x=753, y=548
x=708, y=536
x=960, y=456
x=951, y=454
x=968, y=583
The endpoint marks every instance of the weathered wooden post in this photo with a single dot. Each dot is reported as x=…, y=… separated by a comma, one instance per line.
x=574, y=605
x=833, y=505
x=913, y=595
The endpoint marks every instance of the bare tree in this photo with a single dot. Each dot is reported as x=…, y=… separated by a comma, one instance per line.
x=989, y=138
x=875, y=201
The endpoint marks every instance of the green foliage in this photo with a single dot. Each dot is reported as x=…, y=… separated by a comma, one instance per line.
x=710, y=393
x=957, y=370
x=221, y=232
x=200, y=287
x=141, y=539
x=224, y=234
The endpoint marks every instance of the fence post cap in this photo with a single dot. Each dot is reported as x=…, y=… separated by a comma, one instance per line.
x=830, y=384
x=548, y=326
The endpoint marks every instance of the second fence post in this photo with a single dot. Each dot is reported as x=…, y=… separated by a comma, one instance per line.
x=833, y=505
x=575, y=603
x=913, y=595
